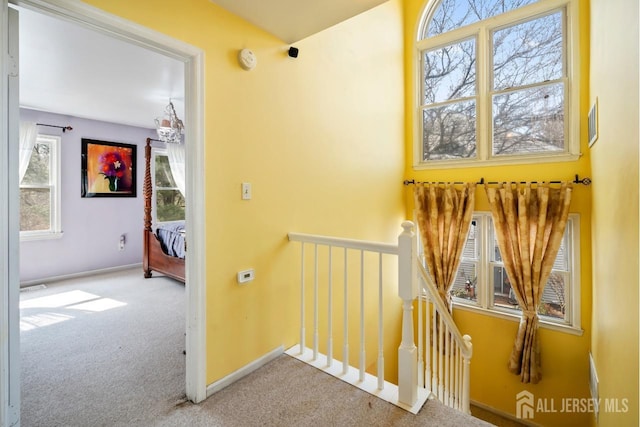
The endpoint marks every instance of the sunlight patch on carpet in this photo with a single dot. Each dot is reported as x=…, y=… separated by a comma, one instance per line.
x=51, y=309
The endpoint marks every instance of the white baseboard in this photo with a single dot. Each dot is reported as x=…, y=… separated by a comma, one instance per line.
x=80, y=274
x=244, y=371
x=503, y=414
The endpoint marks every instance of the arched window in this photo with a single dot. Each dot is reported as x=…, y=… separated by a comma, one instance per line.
x=497, y=82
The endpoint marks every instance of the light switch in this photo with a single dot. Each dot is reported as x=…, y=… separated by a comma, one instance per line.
x=246, y=191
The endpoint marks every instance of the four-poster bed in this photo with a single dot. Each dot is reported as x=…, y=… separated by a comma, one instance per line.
x=164, y=250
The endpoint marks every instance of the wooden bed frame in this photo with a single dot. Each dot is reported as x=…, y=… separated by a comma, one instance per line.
x=153, y=257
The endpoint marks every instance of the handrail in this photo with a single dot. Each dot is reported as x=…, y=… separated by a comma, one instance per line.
x=386, y=248
x=465, y=346
x=449, y=353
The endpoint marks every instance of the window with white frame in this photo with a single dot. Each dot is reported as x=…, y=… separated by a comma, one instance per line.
x=482, y=281
x=40, y=191
x=497, y=82
x=168, y=201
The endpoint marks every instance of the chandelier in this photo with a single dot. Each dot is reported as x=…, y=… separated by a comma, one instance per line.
x=170, y=128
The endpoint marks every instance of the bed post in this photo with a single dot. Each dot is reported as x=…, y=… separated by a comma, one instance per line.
x=147, y=190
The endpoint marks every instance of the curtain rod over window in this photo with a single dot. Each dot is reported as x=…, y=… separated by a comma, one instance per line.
x=577, y=180
x=64, y=128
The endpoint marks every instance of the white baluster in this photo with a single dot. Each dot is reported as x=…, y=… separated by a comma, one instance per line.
x=458, y=378
x=427, y=345
x=440, y=358
x=315, y=304
x=380, y=327
x=345, y=346
x=329, y=314
x=407, y=290
x=363, y=361
x=434, y=349
x=452, y=365
x=447, y=349
x=302, y=331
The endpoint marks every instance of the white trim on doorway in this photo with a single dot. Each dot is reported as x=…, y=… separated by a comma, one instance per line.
x=193, y=59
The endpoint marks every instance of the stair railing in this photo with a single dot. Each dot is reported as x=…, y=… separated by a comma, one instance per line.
x=342, y=247
x=443, y=353
x=437, y=366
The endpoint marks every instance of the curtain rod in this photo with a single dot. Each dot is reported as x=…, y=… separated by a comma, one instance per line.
x=64, y=128
x=577, y=180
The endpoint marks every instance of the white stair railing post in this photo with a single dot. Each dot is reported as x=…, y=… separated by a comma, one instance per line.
x=407, y=291
x=465, y=376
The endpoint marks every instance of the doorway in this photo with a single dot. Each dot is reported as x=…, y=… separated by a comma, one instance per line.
x=195, y=381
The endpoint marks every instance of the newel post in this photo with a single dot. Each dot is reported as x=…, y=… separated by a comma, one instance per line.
x=465, y=375
x=408, y=291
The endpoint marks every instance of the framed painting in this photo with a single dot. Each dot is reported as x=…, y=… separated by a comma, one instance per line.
x=108, y=169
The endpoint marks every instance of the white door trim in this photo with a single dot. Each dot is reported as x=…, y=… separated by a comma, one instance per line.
x=193, y=58
x=9, y=220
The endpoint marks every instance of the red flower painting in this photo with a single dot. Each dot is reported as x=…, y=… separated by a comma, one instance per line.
x=113, y=168
x=108, y=169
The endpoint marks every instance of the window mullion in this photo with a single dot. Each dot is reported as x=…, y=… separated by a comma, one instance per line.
x=483, y=101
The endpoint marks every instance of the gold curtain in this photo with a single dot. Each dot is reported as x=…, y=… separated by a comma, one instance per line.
x=444, y=214
x=529, y=224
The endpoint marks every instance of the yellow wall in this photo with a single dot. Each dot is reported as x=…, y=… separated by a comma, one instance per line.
x=614, y=82
x=564, y=356
x=321, y=138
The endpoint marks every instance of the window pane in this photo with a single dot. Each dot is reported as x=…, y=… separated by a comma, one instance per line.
x=450, y=72
x=164, y=178
x=450, y=131
x=562, y=259
x=38, y=170
x=169, y=205
x=529, y=121
x=466, y=280
x=35, y=209
x=528, y=53
x=503, y=296
x=496, y=256
x=553, y=297
x=470, y=250
x=452, y=14
x=552, y=303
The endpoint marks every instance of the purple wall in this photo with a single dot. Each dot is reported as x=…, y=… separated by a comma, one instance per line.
x=91, y=226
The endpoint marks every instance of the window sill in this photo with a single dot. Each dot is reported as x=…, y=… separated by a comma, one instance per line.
x=32, y=236
x=448, y=164
x=573, y=330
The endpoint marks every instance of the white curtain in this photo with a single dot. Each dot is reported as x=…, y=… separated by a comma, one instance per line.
x=175, y=152
x=28, y=134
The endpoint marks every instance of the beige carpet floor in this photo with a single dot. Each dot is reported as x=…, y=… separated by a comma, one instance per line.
x=107, y=351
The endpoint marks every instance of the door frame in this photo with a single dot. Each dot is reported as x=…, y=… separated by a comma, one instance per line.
x=193, y=58
x=9, y=215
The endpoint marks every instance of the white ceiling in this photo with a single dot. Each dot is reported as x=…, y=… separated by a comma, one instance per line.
x=71, y=70
x=68, y=69
x=294, y=20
